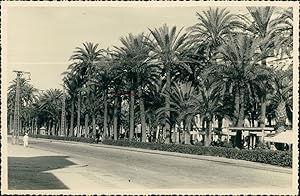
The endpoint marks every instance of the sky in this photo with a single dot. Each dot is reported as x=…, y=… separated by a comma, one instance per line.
x=42, y=39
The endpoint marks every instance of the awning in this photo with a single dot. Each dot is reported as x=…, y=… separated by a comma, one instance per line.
x=283, y=137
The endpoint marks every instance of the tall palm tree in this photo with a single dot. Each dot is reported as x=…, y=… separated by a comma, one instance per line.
x=128, y=55
x=84, y=59
x=262, y=25
x=71, y=84
x=207, y=35
x=134, y=55
x=118, y=85
x=169, y=47
x=240, y=68
x=213, y=26
x=102, y=79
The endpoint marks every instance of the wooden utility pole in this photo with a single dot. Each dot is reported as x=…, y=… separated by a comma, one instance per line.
x=16, y=132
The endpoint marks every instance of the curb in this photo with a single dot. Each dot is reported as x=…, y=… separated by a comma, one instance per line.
x=235, y=162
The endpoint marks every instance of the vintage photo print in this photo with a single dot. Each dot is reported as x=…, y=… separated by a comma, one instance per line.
x=149, y=97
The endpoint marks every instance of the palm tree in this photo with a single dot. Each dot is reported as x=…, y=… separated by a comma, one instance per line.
x=134, y=55
x=84, y=59
x=241, y=70
x=209, y=102
x=183, y=104
x=102, y=79
x=213, y=26
x=71, y=84
x=128, y=57
x=284, y=32
x=169, y=48
x=28, y=96
x=50, y=104
x=264, y=27
x=212, y=30
x=27, y=93
x=118, y=84
x=283, y=97
x=154, y=107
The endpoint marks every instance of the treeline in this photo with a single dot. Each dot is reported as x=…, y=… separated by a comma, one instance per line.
x=225, y=66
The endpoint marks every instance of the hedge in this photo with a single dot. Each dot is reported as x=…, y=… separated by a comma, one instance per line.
x=279, y=158
x=75, y=139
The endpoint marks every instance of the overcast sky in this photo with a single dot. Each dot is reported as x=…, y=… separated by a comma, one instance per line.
x=41, y=40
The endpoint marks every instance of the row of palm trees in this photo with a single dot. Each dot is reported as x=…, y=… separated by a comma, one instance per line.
x=223, y=66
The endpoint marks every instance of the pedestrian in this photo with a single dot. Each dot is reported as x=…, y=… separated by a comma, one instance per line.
x=97, y=137
x=272, y=147
x=246, y=145
x=25, y=140
x=100, y=138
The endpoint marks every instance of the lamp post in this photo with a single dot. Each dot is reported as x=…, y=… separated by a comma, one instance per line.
x=16, y=132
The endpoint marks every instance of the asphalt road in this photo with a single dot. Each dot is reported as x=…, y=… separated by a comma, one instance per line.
x=122, y=169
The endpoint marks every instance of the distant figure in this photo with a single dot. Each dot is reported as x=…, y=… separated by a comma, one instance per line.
x=272, y=147
x=246, y=122
x=97, y=137
x=25, y=140
x=246, y=143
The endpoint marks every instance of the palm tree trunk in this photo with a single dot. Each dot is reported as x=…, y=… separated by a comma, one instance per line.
x=263, y=102
x=78, y=116
x=58, y=130
x=119, y=110
x=220, y=123
x=208, y=132
x=36, y=125
x=115, y=127
x=105, y=132
x=181, y=138
x=167, y=127
x=236, y=107
x=71, y=133
x=263, y=111
x=48, y=127
x=86, y=125
x=281, y=116
x=238, y=137
x=94, y=124
x=187, y=135
x=131, y=118
x=143, y=117
x=10, y=122
x=32, y=126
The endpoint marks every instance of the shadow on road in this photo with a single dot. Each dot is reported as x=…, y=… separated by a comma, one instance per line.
x=30, y=173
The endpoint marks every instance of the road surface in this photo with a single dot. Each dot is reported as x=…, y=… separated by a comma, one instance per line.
x=62, y=165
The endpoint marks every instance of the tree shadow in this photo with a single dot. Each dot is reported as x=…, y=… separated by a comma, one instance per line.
x=30, y=173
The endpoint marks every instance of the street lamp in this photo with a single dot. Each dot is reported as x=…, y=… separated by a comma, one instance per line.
x=16, y=132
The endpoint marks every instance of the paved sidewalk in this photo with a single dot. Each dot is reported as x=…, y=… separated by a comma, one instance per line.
x=241, y=163
x=33, y=169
